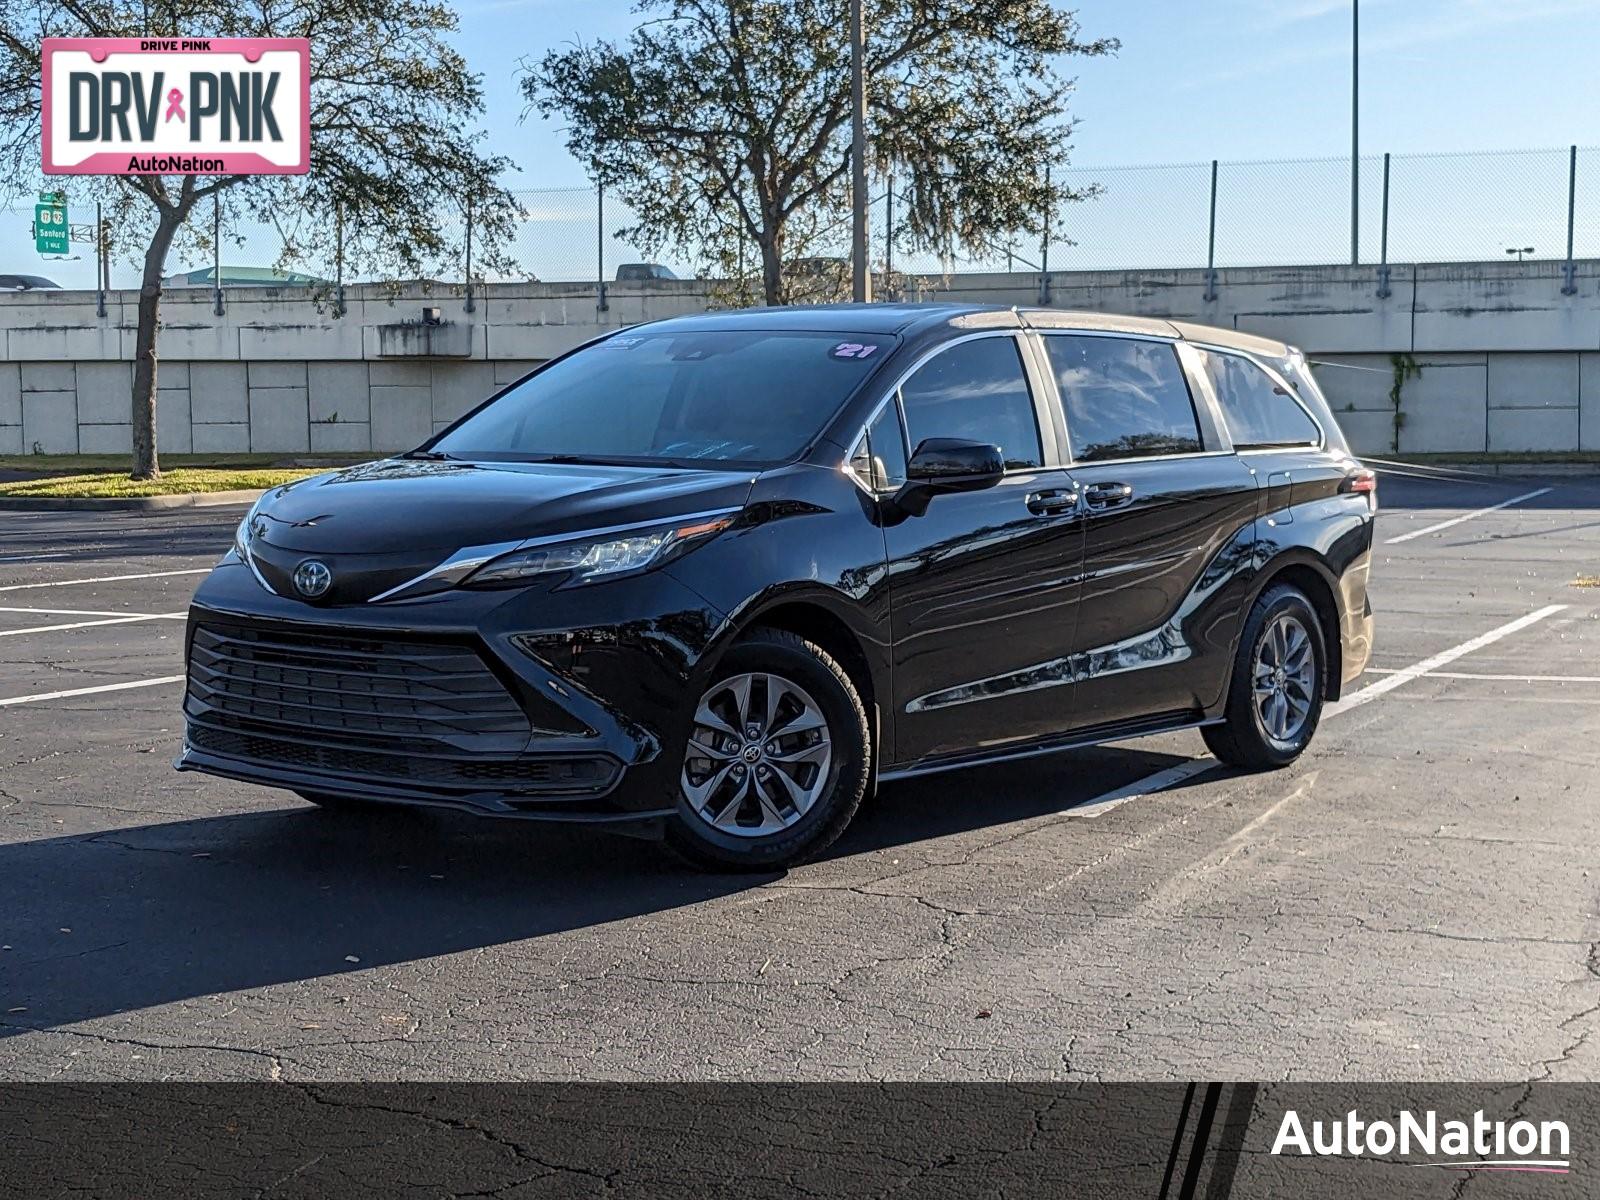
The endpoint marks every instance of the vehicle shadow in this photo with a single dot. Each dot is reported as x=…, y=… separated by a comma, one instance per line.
x=135, y=917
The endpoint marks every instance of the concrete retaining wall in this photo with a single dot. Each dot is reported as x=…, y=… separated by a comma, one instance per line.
x=1508, y=362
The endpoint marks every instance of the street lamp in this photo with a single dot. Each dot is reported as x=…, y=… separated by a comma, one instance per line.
x=1355, y=132
x=1519, y=251
x=860, y=271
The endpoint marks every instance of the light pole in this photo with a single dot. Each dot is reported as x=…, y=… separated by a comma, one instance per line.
x=1519, y=251
x=860, y=275
x=1355, y=132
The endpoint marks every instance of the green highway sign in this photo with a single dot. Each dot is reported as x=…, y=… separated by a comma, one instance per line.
x=51, y=233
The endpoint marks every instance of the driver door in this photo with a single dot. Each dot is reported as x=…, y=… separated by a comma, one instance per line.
x=983, y=587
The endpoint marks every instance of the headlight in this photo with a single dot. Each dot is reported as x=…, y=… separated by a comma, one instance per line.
x=594, y=558
x=241, y=535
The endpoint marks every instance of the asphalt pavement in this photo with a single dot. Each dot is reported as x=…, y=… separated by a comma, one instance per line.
x=1412, y=900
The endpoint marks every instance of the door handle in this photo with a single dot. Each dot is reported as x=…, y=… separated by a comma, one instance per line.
x=1103, y=496
x=1052, y=502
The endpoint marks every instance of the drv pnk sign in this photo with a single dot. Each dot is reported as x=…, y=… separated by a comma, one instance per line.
x=177, y=106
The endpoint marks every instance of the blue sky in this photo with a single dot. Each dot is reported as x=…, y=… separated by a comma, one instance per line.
x=1195, y=80
x=1201, y=79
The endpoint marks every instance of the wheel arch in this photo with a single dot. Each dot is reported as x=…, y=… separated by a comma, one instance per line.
x=1316, y=582
x=819, y=619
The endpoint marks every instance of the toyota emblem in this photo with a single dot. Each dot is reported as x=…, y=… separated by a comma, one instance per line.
x=312, y=578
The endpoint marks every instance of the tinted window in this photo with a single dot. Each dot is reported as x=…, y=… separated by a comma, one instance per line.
x=1257, y=410
x=975, y=390
x=1123, y=398
x=728, y=395
x=880, y=456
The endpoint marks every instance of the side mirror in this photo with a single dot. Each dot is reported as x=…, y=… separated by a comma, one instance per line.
x=944, y=465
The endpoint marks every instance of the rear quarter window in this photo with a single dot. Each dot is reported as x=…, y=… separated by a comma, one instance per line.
x=1258, y=411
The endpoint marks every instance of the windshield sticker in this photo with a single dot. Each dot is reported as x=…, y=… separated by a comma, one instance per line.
x=853, y=350
x=622, y=343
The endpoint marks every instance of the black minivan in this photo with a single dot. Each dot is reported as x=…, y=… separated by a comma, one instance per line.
x=718, y=576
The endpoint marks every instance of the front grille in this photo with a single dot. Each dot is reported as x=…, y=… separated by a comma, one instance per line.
x=368, y=689
x=426, y=713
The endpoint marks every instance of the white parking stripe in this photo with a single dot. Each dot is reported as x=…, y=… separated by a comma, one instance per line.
x=75, y=612
x=1161, y=780
x=1477, y=512
x=1501, y=678
x=19, y=587
x=1443, y=659
x=1172, y=776
x=177, y=616
x=90, y=691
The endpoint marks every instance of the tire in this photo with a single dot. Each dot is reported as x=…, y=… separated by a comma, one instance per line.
x=1273, y=732
x=749, y=801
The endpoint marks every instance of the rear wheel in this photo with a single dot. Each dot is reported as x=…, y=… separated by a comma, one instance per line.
x=1275, y=695
x=777, y=760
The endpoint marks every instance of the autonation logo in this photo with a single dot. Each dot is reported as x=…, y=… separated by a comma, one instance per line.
x=1478, y=1144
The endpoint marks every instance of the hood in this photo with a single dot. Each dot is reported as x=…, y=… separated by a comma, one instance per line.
x=380, y=524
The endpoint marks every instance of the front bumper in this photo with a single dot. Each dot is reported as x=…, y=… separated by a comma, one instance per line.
x=538, y=704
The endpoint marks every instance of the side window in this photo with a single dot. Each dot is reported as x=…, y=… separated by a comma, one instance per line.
x=879, y=459
x=1258, y=411
x=975, y=390
x=1123, y=398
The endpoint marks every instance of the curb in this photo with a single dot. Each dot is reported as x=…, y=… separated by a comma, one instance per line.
x=127, y=503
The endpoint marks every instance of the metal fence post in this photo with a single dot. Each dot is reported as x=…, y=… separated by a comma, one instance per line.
x=216, y=246
x=1044, y=246
x=1211, y=239
x=99, y=261
x=1569, y=272
x=1383, y=236
x=471, y=306
x=601, y=304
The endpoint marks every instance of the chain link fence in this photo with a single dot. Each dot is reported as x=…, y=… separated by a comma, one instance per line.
x=1414, y=208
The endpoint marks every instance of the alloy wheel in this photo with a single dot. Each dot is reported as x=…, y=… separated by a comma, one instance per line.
x=758, y=755
x=1283, y=678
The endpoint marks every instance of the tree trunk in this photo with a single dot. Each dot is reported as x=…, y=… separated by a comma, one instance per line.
x=146, y=464
x=771, y=268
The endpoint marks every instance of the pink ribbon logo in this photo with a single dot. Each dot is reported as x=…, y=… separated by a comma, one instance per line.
x=175, y=105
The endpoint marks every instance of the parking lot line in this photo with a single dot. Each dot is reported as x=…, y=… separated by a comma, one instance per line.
x=20, y=587
x=90, y=624
x=1477, y=512
x=1443, y=659
x=74, y=612
x=90, y=691
x=1502, y=678
x=1171, y=776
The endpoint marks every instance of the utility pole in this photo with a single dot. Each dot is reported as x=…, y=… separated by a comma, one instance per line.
x=860, y=269
x=1355, y=132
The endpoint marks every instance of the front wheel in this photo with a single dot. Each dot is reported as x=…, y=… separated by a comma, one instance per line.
x=777, y=760
x=1275, y=695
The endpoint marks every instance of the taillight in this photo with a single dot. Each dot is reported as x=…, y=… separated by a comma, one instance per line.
x=1360, y=480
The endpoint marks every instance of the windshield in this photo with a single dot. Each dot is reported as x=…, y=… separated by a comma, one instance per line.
x=751, y=397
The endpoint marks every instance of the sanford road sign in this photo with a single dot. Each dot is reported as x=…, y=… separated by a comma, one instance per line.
x=177, y=106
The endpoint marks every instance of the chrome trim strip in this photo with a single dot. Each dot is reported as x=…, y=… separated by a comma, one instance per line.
x=455, y=568
x=452, y=569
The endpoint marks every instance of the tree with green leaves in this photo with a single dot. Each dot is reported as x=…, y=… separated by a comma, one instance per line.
x=723, y=123
x=391, y=146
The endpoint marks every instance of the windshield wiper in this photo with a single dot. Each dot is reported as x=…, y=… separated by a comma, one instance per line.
x=428, y=455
